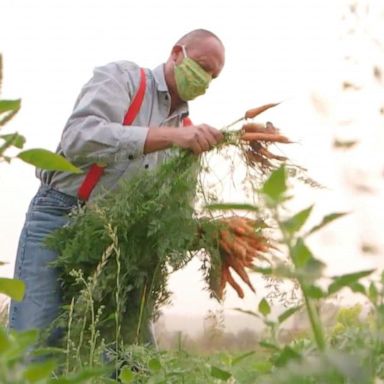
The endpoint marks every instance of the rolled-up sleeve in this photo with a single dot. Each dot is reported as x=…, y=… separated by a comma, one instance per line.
x=94, y=131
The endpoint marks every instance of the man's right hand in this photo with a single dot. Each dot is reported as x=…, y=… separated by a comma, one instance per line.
x=198, y=138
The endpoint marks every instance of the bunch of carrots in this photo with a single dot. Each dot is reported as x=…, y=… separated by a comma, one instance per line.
x=239, y=246
x=259, y=137
x=239, y=242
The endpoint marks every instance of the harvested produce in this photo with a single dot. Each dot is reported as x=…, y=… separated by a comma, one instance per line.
x=117, y=253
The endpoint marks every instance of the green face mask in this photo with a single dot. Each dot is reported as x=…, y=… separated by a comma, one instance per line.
x=191, y=79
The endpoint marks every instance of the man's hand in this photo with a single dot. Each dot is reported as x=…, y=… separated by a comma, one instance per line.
x=198, y=138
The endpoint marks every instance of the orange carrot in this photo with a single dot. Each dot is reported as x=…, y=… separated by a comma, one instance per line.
x=265, y=137
x=251, y=113
x=264, y=152
x=253, y=157
x=254, y=127
x=238, y=267
x=232, y=282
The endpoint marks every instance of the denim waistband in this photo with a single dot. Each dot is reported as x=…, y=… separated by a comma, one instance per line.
x=46, y=190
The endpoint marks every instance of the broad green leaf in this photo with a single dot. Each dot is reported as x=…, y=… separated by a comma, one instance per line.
x=346, y=280
x=84, y=376
x=45, y=159
x=275, y=186
x=39, y=371
x=13, y=288
x=154, y=364
x=264, y=307
x=263, y=271
x=9, y=105
x=326, y=220
x=358, y=288
x=301, y=254
x=288, y=313
x=25, y=339
x=247, y=312
x=373, y=293
x=5, y=342
x=126, y=375
x=13, y=139
x=7, y=116
x=314, y=292
x=295, y=223
x=307, y=266
x=266, y=344
x=286, y=355
x=242, y=357
x=232, y=206
x=219, y=373
x=262, y=366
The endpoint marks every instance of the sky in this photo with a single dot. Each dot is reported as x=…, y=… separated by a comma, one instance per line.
x=294, y=52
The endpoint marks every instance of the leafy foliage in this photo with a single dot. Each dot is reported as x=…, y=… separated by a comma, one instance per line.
x=124, y=244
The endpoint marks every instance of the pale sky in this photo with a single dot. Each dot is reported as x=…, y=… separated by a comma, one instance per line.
x=276, y=50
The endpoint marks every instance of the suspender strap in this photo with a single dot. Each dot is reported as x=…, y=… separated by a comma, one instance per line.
x=187, y=121
x=96, y=170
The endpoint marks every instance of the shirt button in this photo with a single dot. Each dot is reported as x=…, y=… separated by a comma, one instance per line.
x=130, y=157
x=146, y=166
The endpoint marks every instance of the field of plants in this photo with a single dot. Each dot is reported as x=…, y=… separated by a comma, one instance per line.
x=116, y=257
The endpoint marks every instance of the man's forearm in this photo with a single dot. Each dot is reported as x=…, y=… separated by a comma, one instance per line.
x=160, y=138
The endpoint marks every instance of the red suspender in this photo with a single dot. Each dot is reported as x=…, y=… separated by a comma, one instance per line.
x=187, y=121
x=96, y=170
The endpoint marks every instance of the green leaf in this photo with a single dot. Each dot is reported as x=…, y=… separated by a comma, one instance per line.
x=301, y=254
x=242, y=357
x=286, y=355
x=126, y=375
x=346, y=280
x=38, y=371
x=373, y=293
x=154, y=364
x=263, y=271
x=24, y=339
x=266, y=344
x=294, y=224
x=358, y=288
x=264, y=307
x=275, y=186
x=288, y=313
x=232, y=206
x=13, y=288
x=9, y=105
x=326, y=220
x=5, y=342
x=81, y=377
x=247, y=312
x=314, y=292
x=262, y=366
x=45, y=159
x=218, y=373
x=7, y=116
x=13, y=139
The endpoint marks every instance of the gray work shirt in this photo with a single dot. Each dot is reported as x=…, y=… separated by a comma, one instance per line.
x=94, y=132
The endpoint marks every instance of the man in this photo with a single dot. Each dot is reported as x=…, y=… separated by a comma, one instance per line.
x=96, y=140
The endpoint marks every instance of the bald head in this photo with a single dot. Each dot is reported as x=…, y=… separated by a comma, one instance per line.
x=197, y=36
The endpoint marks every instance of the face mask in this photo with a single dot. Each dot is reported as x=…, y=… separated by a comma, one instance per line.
x=191, y=79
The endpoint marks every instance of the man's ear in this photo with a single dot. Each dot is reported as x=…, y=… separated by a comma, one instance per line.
x=175, y=53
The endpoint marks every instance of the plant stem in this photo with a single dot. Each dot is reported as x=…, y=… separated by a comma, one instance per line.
x=314, y=319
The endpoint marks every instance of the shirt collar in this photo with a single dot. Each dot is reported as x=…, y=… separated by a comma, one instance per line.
x=158, y=74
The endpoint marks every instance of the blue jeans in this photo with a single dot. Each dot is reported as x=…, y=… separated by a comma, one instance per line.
x=47, y=212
